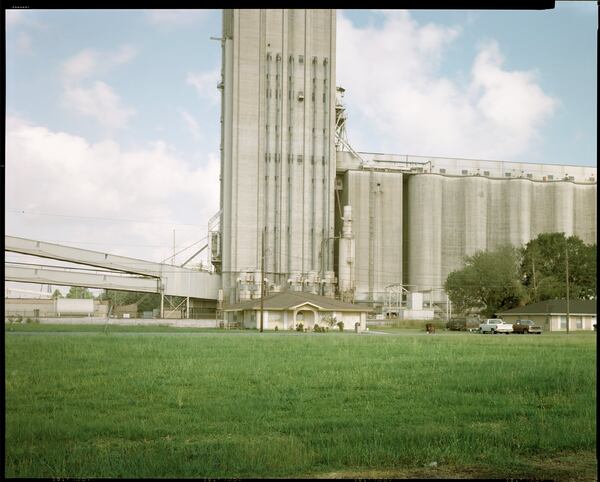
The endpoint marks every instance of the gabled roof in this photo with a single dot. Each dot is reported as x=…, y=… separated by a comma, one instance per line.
x=291, y=299
x=576, y=307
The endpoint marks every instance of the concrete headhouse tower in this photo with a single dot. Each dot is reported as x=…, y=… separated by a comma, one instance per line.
x=277, y=150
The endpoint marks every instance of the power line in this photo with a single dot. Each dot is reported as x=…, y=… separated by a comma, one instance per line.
x=29, y=213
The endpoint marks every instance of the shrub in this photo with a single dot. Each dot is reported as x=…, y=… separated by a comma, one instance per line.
x=300, y=327
x=276, y=328
x=340, y=325
x=317, y=328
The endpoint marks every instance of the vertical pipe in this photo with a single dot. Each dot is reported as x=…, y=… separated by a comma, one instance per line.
x=290, y=160
x=313, y=163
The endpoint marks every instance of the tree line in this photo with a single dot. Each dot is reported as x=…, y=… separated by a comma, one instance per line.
x=508, y=276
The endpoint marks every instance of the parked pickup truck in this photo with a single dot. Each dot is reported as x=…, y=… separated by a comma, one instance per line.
x=495, y=325
x=526, y=326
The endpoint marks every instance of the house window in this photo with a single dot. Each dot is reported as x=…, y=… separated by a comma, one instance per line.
x=464, y=172
x=563, y=322
x=486, y=173
x=442, y=171
x=578, y=322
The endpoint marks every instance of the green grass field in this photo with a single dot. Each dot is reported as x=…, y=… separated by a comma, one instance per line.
x=123, y=403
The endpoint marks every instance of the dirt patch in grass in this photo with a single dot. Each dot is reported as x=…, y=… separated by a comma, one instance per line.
x=564, y=467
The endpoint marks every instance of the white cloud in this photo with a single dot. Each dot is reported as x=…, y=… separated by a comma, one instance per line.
x=80, y=66
x=58, y=173
x=96, y=99
x=175, y=18
x=394, y=88
x=205, y=84
x=100, y=103
x=191, y=123
x=124, y=54
x=88, y=63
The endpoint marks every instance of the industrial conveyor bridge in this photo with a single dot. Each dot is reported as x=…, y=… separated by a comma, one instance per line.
x=117, y=272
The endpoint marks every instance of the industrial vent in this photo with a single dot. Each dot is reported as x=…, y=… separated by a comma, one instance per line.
x=591, y=179
x=550, y=177
x=571, y=178
x=442, y=171
x=507, y=174
x=529, y=175
x=486, y=173
x=464, y=172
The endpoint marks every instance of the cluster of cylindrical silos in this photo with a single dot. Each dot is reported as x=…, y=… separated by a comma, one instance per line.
x=415, y=229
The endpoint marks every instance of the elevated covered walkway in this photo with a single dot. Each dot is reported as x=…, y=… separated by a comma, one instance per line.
x=116, y=272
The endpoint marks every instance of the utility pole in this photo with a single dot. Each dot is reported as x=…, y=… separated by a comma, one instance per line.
x=534, y=285
x=262, y=280
x=567, y=262
x=173, y=258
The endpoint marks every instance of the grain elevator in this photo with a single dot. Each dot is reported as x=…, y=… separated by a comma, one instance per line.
x=350, y=224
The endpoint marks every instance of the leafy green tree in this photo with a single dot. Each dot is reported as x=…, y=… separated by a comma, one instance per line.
x=145, y=301
x=79, y=293
x=490, y=280
x=544, y=264
x=57, y=294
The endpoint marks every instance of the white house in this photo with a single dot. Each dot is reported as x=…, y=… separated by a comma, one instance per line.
x=286, y=310
x=552, y=314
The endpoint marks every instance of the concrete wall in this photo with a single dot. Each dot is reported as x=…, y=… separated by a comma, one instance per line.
x=26, y=307
x=278, y=158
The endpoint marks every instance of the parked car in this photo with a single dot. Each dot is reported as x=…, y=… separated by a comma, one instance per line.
x=526, y=326
x=495, y=325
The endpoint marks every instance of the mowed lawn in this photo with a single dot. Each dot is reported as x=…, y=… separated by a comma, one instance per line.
x=244, y=404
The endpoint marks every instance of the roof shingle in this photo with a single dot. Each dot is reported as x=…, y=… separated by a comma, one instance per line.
x=583, y=307
x=289, y=299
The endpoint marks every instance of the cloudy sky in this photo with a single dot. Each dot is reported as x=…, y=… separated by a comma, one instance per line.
x=112, y=116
